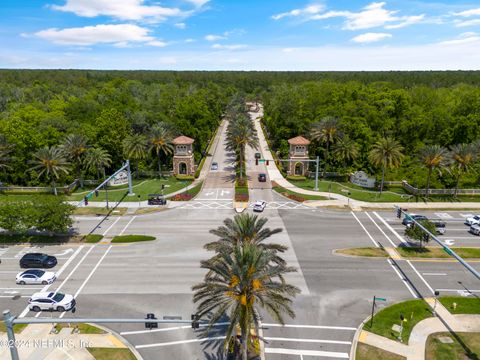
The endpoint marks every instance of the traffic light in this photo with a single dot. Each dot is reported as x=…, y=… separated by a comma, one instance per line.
x=399, y=213
x=268, y=161
x=96, y=193
x=195, y=323
x=85, y=199
x=256, y=161
x=151, y=325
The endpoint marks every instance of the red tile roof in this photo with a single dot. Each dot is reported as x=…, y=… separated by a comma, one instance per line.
x=299, y=140
x=182, y=140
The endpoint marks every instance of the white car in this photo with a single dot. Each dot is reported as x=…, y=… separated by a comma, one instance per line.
x=51, y=301
x=35, y=276
x=475, y=229
x=474, y=220
x=259, y=206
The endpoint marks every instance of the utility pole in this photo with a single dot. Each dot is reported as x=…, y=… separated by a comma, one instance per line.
x=317, y=164
x=8, y=319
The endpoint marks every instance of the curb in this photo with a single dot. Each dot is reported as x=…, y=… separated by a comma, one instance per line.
x=122, y=339
x=353, y=349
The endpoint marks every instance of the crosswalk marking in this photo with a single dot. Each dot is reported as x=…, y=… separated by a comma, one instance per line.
x=444, y=215
x=228, y=204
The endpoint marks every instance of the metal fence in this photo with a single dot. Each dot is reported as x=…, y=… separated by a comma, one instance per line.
x=39, y=189
x=415, y=191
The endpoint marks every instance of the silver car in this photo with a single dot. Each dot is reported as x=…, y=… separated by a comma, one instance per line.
x=259, y=206
x=35, y=276
x=475, y=229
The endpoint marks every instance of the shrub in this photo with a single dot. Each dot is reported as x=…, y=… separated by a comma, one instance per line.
x=182, y=197
x=296, y=178
x=184, y=177
x=241, y=197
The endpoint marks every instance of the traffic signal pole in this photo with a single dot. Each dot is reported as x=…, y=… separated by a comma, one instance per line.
x=439, y=242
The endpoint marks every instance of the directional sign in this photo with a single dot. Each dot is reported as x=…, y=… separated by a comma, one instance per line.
x=380, y=299
x=261, y=160
x=447, y=250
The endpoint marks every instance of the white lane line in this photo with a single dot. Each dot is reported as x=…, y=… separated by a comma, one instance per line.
x=379, y=228
x=10, y=296
x=311, y=326
x=309, y=340
x=126, y=226
x=89, y=276
x=331, y=354
x=363, y=227
x=391, y=229
x=169, y=329
x=179, y=342
x=113, y=224
x=75, y=268
x=459, y=290
x=421, y=277
x=22, y=288
x=434, y=274
x=405, y=281
x=59, y=272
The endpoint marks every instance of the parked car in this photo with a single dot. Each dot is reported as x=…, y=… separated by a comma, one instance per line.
x=258, y=156
x=408, y=219
x=439, y=226
x=38, y=260
x=35, y=276
x=156, y=199
x=473, y=220
x=262, y=177
x=214, y=166
x=259, y=206
x=51, y=301
x=475, y=229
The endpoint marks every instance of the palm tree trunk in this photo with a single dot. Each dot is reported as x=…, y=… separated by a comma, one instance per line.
x=159, y=165
x=428, y=180
x=244, y=345
x=241, y=163
x=326, y=159
x=383, y=179
x=54, y=187
x=456, y=185
x=79, y=174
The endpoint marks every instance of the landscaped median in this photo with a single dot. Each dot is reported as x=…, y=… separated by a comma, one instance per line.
x=189, y=194
x=132, y=238
x=294, y=195
x=429, y=252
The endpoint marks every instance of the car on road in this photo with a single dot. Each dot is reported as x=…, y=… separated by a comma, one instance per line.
x=35, y=276
x=408, y=219
x=214, y=166
x=259, y=206
x=473, y=220
x=440, y=226
x=262, y=177
x=475, y=229
x=38, y=260
x=258, y=156
x=52, y=301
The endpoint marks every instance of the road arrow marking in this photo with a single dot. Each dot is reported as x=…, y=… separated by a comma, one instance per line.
x=449, y=242
x=64, y=252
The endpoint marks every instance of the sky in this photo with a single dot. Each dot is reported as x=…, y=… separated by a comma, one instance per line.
x=342, y=35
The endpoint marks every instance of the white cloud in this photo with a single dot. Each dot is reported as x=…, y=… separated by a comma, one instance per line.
x=121, y=9
x=308, y=10
x=189, y=40
x=180, y=25
x=121, y=35
x=371, y=37
x=473, y=22
x=467, y=13
x=465, y=38
x=157, y=43
x=409, y=20
x=229, y=47
x=372, y=15
x=212, y=37
x=198, y=3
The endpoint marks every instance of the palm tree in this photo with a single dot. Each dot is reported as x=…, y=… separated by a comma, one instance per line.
x=245, y=228
x=135, y=147
x=239, y=282
x=346, y=150
x=97, y=159
x=386, y=153
x=51, y=162
x=327, y=130
x=160, y=142
x=462, y=157
x=74, y=148
x=433, y=157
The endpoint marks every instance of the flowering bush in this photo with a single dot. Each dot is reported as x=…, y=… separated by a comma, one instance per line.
x=181, y=197
x=241, y=197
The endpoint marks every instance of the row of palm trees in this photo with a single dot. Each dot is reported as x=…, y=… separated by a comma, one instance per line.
x=245, y=275
x=388, y=153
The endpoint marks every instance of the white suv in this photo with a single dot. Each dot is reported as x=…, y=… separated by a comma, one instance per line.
x=259, y=206
x=474, y=220
x=475, y=229
x=51, y=301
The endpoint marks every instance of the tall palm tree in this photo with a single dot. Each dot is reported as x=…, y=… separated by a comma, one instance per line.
x=97, y=159
x=74, y=148
x=462, y=157
x=433, y=157
x=386, y=153
x=135, y=147
x=240, y=134
x=160, y=142
x=239, y=282
x=327, y=130
x=51, y=162
x=346, y=150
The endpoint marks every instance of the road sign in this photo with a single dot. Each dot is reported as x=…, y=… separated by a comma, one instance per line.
x=380, y=299
x=447, y=250
x=261, y=160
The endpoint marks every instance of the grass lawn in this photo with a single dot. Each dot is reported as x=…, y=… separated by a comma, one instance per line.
x=465, y=346
x=368, y=352
x=111, y=354
x=93, y=238
x=140, y=187
x=465, y=305
x=437, y=252
x=83, y=328
x=297, y=196
x=99, y=211
x=17, y=328
x=414, y=311
x=132, y=238
x=366, y=251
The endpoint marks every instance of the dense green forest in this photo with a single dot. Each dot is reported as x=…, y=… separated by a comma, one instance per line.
x=99, y=118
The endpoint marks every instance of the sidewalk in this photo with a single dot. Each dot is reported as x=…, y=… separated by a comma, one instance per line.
x=36, y=342
x=338, y=200
x=415, y=349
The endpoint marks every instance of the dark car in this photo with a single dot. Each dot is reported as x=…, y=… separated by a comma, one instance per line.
x=262, y=177
x=258, y=156
x=408, y=219
x=156, y=199
x=38, y=260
